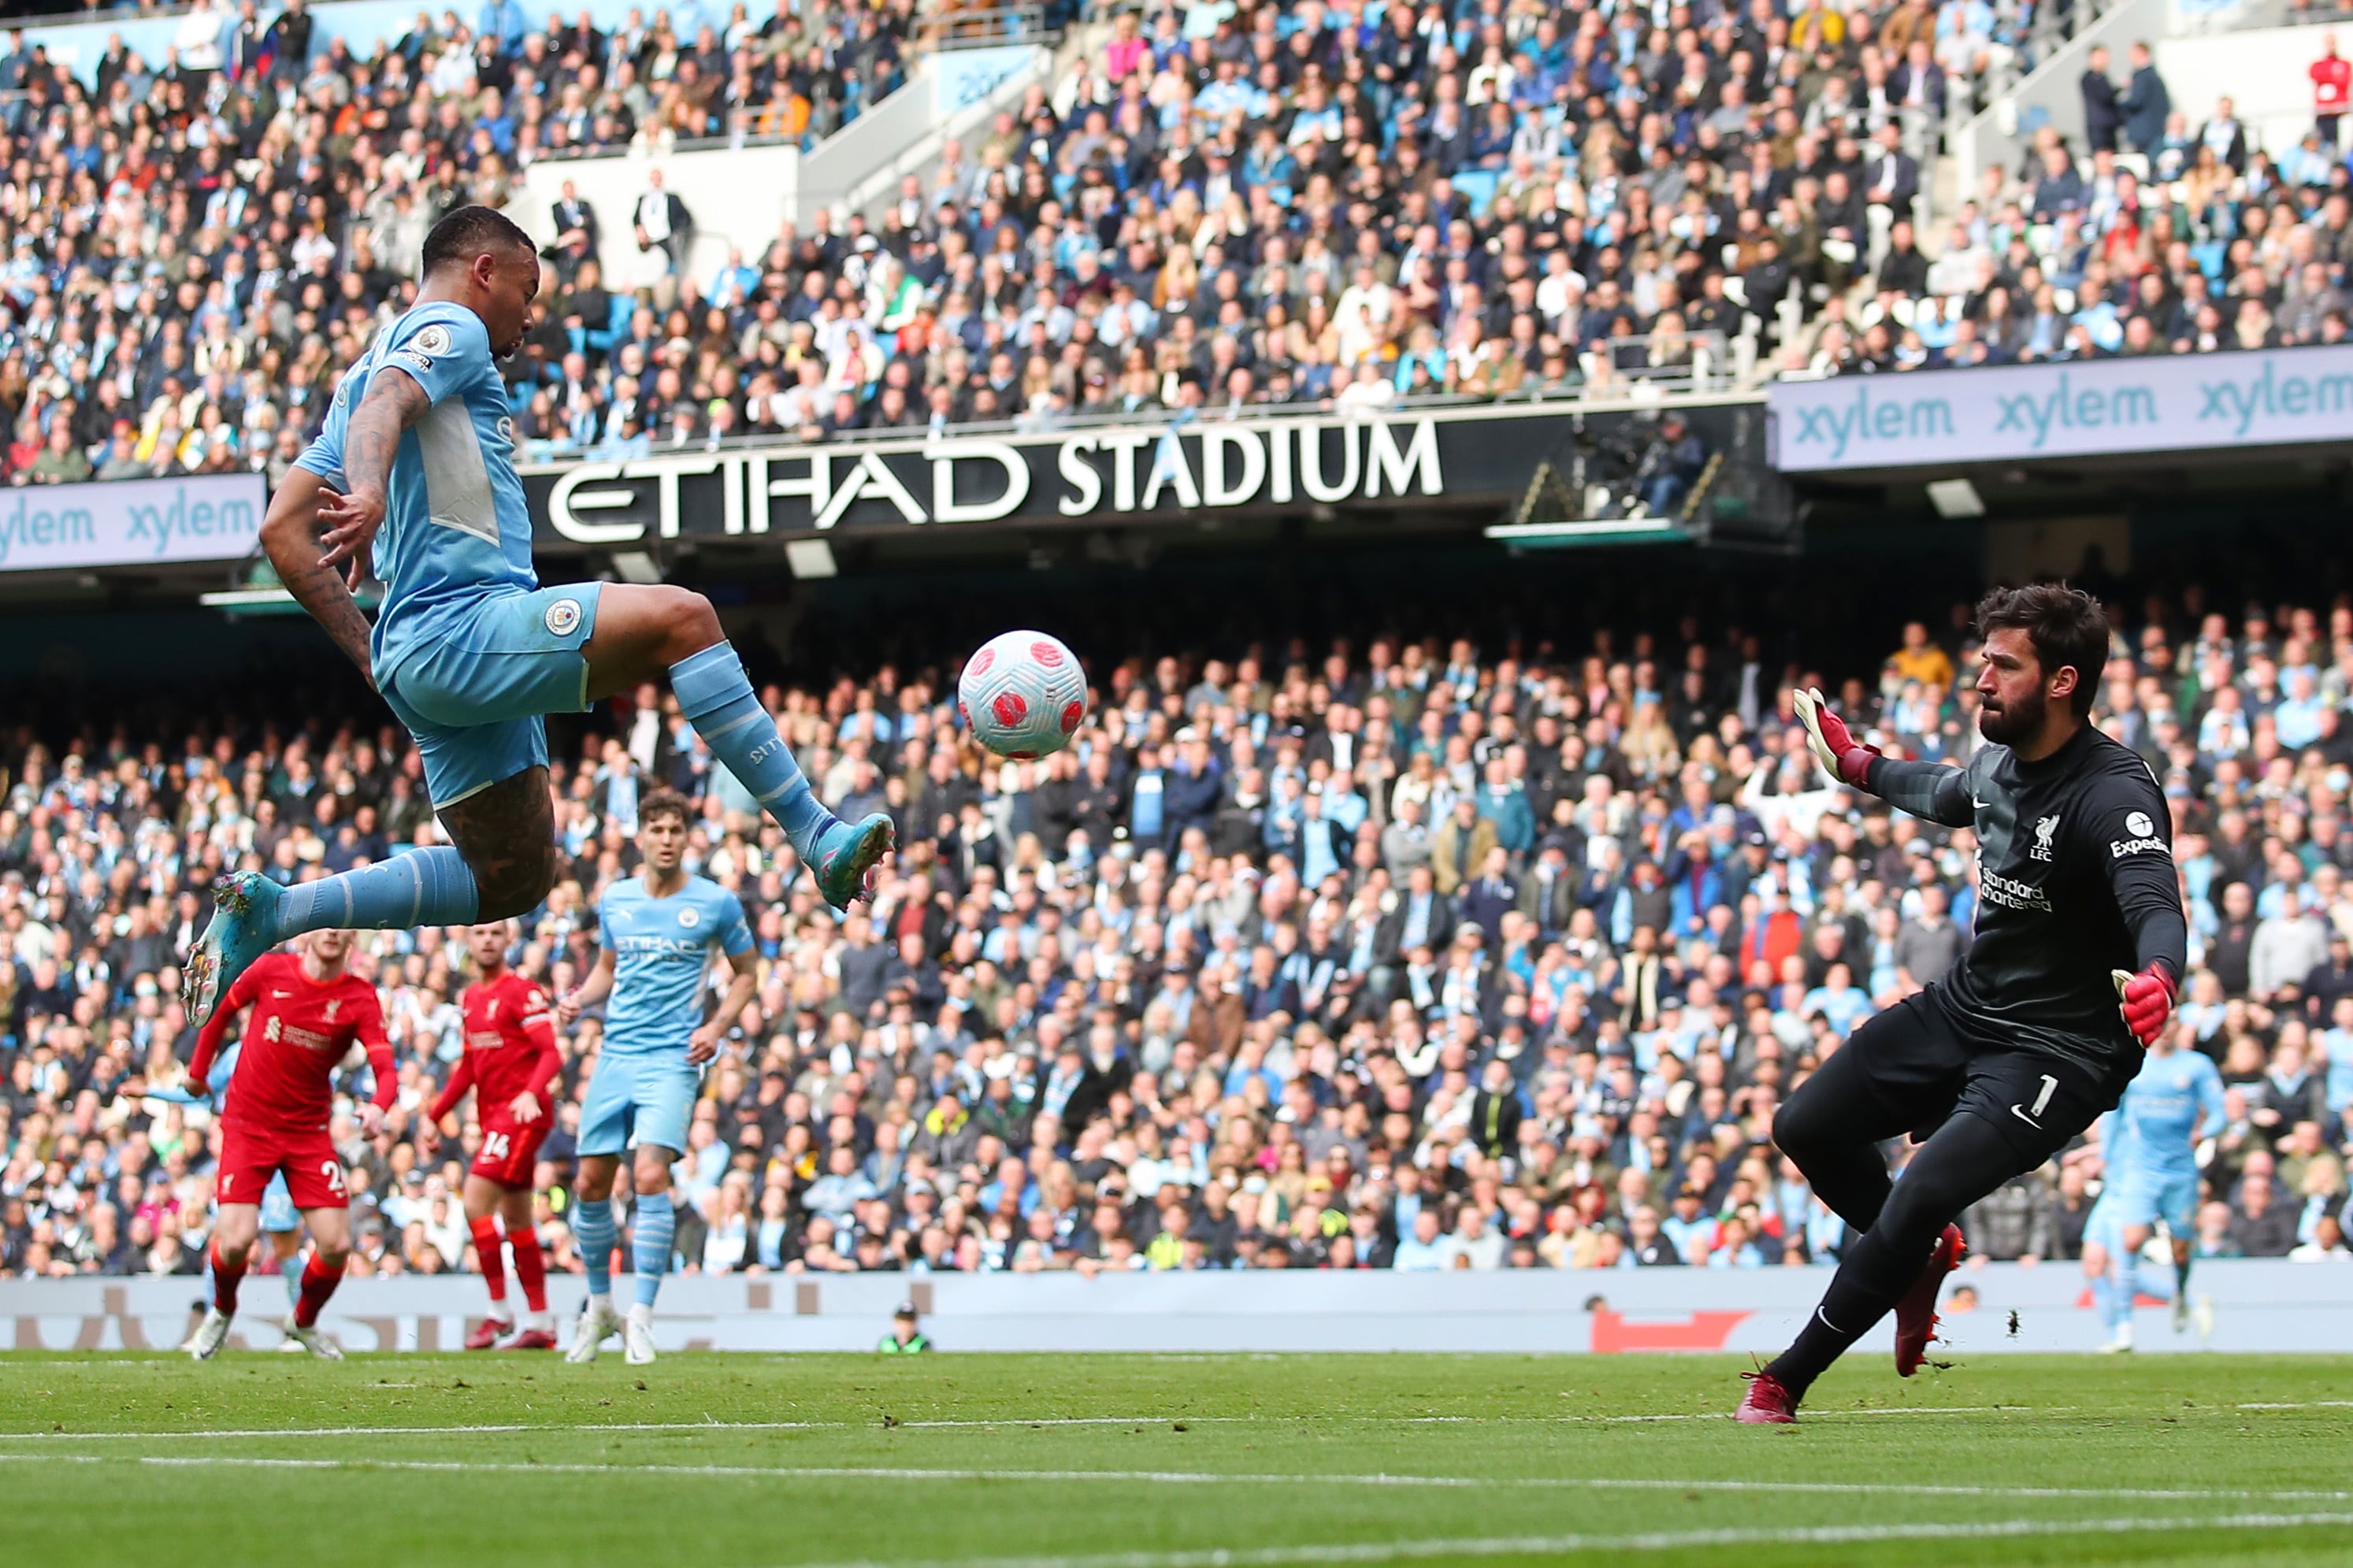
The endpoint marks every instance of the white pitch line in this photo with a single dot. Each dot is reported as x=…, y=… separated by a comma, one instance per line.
x=1671, y=1541
x=1196, y=1478
x=487, y=1429
x=2303, y=1404
x=1811, y=1414
x=996, y=1421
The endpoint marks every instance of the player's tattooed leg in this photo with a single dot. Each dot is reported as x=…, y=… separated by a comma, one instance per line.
x=507, y=834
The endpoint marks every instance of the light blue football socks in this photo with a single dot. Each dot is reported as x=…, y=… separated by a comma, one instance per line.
x=717, y=699
x=651, y=1236
x=415, y=887
x=592, y=1228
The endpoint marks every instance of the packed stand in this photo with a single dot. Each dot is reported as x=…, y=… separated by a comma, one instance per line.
x=2167, y=232
x=191, y=250
x=1417, y=959
x=1219, y=206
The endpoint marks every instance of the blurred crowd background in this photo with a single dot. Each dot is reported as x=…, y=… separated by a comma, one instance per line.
x=1383, y=954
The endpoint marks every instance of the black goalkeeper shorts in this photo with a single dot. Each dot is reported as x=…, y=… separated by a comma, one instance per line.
x=1915, y=1068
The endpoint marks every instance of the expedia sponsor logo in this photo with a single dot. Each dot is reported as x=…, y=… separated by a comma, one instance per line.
x=2120, y=847
x=1999, y=889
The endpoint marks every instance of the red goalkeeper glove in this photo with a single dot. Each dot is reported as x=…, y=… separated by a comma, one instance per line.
x=1842, y=756
x=2146, y=1001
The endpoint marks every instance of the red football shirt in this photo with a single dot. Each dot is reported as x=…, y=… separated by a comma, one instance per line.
x=2331, y=76
x=510, y=1048
x=300, y=1032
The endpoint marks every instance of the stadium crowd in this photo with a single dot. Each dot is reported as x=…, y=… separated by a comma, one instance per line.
x=1223, y=206
x=1416, y=957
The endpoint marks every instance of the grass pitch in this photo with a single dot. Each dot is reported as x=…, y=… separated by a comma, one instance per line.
x=738, y=1461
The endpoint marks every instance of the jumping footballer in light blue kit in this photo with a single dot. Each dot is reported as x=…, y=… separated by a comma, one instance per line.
x=2151, y=1142
x=469, y=651
x=656, y=933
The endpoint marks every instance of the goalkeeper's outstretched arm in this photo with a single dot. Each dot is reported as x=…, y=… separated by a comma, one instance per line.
x=1932, y=789
x=1924, y=789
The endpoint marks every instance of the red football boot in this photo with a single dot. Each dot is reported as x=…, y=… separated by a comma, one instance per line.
x=487, y=1333
x=1915, y=1315
x=1767, y=1402
x=531, y=1340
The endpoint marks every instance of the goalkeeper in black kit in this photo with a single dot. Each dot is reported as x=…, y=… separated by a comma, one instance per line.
x=2035, y=1032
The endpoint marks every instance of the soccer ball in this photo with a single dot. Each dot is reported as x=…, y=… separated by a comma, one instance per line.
x=1023, y=695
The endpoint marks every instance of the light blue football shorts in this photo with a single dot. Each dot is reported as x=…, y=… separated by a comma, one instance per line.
x=636, y=1101
x=2143, y=1197
x=473, y=698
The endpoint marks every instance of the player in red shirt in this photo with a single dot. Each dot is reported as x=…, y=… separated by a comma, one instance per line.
x=307, y=1009
x=510, y=1063
x=2332, y=83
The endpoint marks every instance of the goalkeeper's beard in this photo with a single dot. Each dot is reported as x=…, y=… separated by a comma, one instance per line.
x=2014, y=722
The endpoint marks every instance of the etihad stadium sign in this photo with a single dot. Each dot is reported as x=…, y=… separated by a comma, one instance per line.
x=818, y=488
x=1455, y=455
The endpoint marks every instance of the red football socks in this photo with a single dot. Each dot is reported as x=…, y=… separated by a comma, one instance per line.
x=530, y=1268
x=486, y=1254
x=227, y=1277
x=319, y=1282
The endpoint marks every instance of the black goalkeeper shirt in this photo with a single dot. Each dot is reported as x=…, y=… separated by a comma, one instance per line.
x=2075, y=877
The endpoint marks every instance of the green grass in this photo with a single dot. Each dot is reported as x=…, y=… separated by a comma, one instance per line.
x=1164, y=1461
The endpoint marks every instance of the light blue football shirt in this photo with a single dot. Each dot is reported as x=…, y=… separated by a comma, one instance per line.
x=456, y=527
x=2159, y=1108
x=661, y=950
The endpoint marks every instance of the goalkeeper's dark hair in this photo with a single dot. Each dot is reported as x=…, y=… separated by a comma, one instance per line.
x=469, y=231
x=2066, y=626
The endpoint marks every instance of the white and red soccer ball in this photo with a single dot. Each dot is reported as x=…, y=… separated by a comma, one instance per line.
x=1023, y=695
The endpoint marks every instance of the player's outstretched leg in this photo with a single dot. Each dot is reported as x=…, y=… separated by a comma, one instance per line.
x=502, y=865
x=717, y=699
x=643, y=631
x=1967, y=1159
x=252, y=914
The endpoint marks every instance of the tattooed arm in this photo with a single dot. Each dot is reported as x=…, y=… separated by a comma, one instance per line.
x=289, y=537
x=394, y=401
